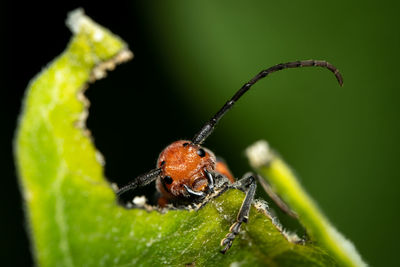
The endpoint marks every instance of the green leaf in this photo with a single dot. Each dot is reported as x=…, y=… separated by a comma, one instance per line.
x=73, y=216
x=285, y=184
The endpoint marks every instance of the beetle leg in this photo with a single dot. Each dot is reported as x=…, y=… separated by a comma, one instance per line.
x=278, y=201
x=210, y=179
x=194, y=193
x=250, y=185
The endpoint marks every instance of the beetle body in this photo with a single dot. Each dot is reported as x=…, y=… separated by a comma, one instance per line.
x=187, y=172
x=186, y=167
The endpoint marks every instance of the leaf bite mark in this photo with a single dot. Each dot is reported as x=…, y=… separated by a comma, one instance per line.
x=78, y=22
x=100, y=71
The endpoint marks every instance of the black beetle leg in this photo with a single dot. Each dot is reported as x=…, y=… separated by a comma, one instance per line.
x=278, y=201
x=249, y=182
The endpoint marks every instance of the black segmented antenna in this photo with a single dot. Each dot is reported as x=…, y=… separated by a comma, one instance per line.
x=139, y=181
x=208, y=128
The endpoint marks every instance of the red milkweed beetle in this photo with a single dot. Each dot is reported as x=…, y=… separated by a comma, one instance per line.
x=187, y=172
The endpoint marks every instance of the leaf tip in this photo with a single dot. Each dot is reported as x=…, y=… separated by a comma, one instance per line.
x=76, y=18
x=259, y=154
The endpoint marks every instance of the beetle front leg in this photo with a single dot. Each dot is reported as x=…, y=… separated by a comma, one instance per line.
x=249, y=185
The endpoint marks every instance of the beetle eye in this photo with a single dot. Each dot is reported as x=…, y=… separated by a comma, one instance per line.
x=201, y=152
x=168, y=179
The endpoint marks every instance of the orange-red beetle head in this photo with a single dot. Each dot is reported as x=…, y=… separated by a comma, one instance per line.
x=183, y=163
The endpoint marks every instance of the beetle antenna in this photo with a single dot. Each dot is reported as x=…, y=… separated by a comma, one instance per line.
x=208, y=128
x=141, y=180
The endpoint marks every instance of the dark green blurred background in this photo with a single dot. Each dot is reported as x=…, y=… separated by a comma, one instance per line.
x=191, y=56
